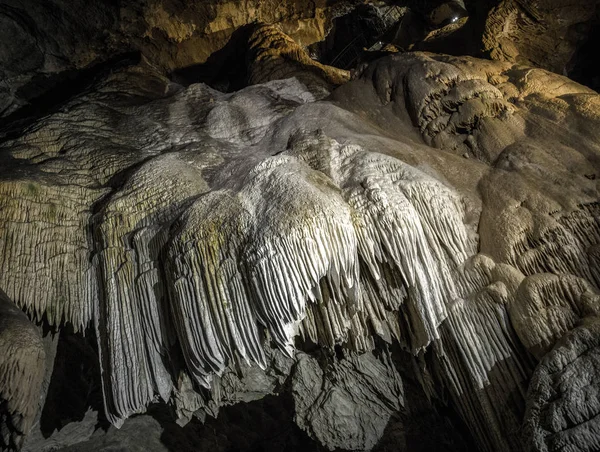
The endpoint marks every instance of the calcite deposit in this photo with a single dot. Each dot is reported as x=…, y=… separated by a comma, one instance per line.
x=430, y=224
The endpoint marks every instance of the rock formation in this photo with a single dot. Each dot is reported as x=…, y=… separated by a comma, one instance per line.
x=22, y=369
x=540, y=33
x=272, y=55
x=45, y=44
x=562, y=403
x=429, y=229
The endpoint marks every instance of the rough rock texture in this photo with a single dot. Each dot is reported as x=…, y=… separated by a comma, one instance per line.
x=543, y=33
x=556, y=35
x=356, y=395
x=22, y=369
x=273, y=55
x=550, y=305
x=563, y=403
x=75, y=432
x=50, y=47
x=224, y=247
x=44, y=44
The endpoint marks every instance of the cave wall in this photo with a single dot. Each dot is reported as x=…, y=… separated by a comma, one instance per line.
x=44, y=43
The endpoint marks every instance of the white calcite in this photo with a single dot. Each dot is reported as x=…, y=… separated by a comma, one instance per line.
x=208, y=236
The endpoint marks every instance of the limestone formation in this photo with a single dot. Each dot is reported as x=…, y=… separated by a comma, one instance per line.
x=540, y=33
x=273, y=55
x=436, y=217
x=351, y=407
x=22, y=369
x=563, y=404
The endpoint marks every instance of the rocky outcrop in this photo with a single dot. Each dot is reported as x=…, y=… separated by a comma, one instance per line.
x=272, y=55
x=349, y=404
x=555, y=35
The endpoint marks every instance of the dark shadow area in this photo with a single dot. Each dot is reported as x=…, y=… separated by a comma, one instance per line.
x=584, y=67
x=424, y=424
x=75, y=383
x=265, y=425
x=465, y=40
x=362, y=35
x=225, y=70
x=47, y=93
x=353, y=33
